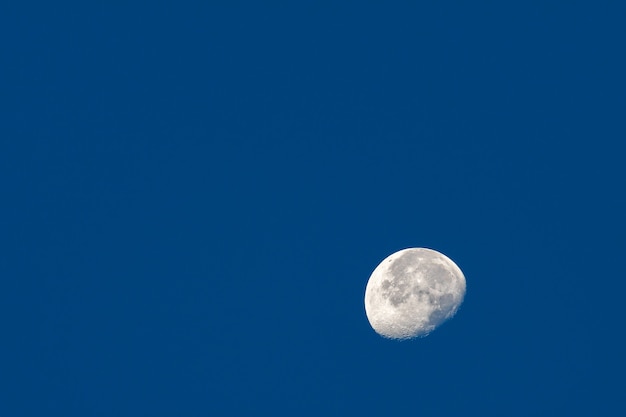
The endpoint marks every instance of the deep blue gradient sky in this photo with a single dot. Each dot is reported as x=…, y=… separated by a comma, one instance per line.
x=194, y=196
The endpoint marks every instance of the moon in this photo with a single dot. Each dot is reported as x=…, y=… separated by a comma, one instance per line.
x=412, y=292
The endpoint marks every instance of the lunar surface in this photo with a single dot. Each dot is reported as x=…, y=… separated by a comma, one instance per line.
x=412, y=292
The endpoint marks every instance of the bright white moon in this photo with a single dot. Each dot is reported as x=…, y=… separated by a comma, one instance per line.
x=412, y=292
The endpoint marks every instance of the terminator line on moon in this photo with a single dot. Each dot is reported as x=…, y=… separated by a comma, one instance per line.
x=412, y=292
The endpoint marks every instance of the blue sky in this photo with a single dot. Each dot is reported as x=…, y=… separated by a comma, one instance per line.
x=194, y=197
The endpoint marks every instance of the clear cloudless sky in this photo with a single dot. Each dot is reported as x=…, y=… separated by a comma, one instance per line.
x=194, y=194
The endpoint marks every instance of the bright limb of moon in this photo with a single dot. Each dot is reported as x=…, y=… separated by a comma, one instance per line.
x=412, y=292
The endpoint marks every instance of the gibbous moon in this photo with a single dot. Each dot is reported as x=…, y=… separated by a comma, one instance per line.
x=412, y=292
